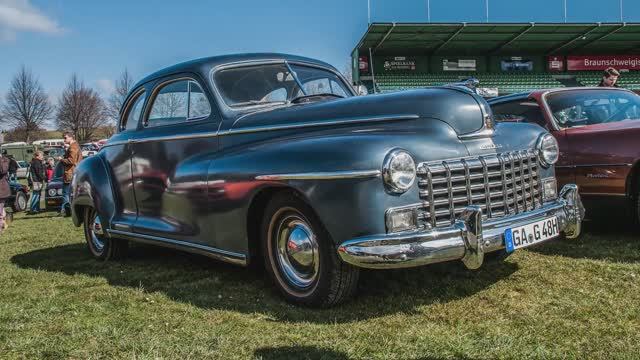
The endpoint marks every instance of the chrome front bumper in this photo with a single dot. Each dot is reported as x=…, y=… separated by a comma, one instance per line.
x=467, y=240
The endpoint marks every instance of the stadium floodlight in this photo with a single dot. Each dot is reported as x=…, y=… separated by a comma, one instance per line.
x=486, y=3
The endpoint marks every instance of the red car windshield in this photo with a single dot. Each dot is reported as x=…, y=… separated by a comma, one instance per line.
x=589, y=107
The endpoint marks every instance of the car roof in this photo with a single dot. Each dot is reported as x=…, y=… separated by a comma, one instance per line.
x=208, y=63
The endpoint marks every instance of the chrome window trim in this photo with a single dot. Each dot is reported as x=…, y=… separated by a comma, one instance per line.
x=328, y=175
x=255, y=129
x=249, y=63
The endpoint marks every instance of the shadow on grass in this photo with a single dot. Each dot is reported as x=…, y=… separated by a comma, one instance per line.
x=604, y=238
x=313, y=353
x=208, y=284
x=298, y=352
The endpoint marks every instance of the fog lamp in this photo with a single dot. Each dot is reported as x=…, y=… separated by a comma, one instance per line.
x=401, y=220
x=549, y=189
x=59, y=191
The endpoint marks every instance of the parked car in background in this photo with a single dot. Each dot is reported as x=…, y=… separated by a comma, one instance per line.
x=23, y=169
x=53, y=194
x=273, y=156
x=19, y=196
x=54, y=152
x=89, y=149
x=598, y=132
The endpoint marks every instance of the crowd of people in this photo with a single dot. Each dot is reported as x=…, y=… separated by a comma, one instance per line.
x=40, y=173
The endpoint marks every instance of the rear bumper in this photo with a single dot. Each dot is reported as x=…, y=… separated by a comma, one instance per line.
x=467, y=240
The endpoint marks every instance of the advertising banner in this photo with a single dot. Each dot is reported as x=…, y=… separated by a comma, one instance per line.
x=459, y=65
x=363, y=65
x=400, y=63
x=601, y=62
x=555, y=63
x=516, y=64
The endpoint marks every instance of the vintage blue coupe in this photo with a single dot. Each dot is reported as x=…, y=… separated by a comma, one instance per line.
x=275, y=157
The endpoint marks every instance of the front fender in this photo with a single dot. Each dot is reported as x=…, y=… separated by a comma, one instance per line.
x=91, y=186
x=347, y=206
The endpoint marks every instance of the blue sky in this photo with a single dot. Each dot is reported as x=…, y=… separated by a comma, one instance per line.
x=98, y=39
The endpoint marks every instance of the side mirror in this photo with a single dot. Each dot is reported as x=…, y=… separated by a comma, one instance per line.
x=362, y=90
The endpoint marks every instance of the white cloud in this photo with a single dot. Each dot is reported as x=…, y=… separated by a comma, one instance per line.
x=105, y=86
x=20, y=15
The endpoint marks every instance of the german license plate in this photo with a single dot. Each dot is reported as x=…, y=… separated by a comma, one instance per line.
x=529, y=234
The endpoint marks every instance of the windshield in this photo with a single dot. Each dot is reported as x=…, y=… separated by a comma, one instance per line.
x=590, y=107
x=275, y=84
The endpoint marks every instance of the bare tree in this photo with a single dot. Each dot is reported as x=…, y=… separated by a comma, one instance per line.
x=122, y=88
x=27, y=105
x=80, y=110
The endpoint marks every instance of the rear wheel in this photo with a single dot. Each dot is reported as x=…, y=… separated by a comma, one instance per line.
x=300, y=257
x=100, y=245
x=20, y=202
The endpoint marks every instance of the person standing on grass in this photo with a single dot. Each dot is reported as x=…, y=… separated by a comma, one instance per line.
x=5, y=190
x=37, y=179
x=70, y=160
x=609, y=78
x=49, y=169
x=13, y=169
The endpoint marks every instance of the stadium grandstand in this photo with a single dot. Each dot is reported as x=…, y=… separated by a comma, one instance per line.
x=505, y=57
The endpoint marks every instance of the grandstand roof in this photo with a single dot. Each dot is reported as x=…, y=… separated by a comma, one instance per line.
x=501, y=38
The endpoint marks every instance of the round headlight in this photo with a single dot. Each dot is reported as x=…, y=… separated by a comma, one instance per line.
x=549, y=150
x=52, y=192
x=59, y=191
x=399, y=171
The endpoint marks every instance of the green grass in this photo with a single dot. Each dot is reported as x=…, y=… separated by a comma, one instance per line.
x=565, y=299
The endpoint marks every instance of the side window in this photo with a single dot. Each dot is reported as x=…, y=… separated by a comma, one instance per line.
x=170, y=105
x=178, y=102
x=135, y=113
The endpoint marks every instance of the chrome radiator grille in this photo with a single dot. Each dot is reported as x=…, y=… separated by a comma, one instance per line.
x=500, y=184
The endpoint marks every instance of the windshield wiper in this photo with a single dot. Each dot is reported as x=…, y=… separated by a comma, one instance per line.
x=298, y=99
x=257, y=102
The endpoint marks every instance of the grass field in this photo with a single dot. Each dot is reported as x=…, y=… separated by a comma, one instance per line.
x=565, y=299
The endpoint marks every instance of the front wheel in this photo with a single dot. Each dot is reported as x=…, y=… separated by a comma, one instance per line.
x=100, y=245
x=300, y=256
x=20, y=202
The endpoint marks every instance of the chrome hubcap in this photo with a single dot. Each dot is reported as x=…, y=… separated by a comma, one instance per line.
x=22, y=202
x=297, y=251
x=97, y=233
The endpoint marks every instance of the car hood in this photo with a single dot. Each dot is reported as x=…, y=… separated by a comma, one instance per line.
x=461, y=110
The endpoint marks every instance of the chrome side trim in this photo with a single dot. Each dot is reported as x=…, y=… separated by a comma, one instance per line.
x=330, y=175
x=602, y=194
x=253, y=129
x=218, y=254
x=297, y=125
x=174, y=137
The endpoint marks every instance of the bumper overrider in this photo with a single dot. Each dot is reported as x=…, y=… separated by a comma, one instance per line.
x=468, y=239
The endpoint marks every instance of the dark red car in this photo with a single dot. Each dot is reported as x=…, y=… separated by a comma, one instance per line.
x=598, y=132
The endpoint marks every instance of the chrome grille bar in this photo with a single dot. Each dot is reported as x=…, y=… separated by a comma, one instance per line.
x=501, y=184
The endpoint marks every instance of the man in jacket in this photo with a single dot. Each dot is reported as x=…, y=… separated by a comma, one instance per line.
x=5, y=190
x=70, y=160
